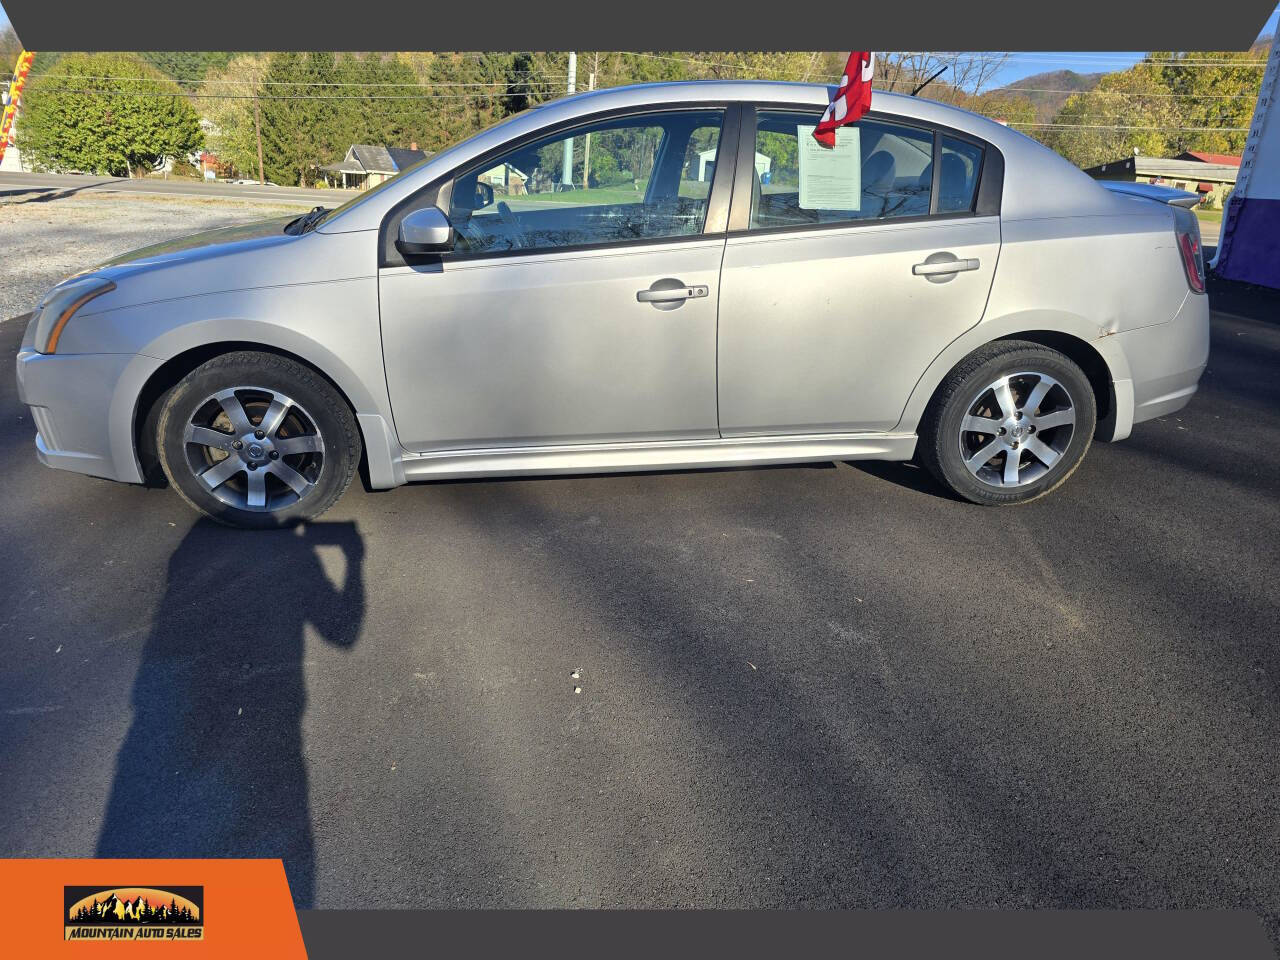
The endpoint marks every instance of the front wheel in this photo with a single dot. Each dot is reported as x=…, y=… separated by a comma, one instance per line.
x=257, y=440
x=1009, y=424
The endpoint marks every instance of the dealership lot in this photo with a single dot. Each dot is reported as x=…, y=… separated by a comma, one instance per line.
x=805, y=686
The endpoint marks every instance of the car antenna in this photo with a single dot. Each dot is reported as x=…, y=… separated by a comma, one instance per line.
x=941, y=70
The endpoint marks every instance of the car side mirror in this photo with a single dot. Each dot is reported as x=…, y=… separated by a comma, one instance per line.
x=484, y=195
x=425, y=231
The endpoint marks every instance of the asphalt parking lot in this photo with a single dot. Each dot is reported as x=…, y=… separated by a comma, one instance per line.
x=800, y=687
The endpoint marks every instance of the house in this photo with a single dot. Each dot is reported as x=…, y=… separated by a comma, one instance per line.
x=707, y=165
x=1223, y=159
x=505, y=179
x=1212, y=175
x=366, y=165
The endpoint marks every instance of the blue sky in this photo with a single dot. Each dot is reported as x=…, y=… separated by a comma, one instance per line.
x=1024, y=64
x=1021, y=64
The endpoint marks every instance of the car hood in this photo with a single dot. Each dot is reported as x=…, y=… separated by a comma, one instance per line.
x=229, y=259
x=200, y=246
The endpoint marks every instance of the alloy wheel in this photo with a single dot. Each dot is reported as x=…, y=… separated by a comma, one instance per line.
x=1015, y=429
x=254, y=448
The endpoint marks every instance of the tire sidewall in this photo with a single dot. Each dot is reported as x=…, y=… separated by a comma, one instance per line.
x=1028, y=360
x=317, y=398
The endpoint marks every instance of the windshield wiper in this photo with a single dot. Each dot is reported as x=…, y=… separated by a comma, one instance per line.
x=308, y=221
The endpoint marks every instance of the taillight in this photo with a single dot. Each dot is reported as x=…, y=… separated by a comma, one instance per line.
x=1187, y=230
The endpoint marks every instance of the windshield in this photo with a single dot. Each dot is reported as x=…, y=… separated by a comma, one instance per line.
x=374, y=191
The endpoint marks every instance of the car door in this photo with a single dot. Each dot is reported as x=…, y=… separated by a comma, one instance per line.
x=578, y=303
x=845, y=274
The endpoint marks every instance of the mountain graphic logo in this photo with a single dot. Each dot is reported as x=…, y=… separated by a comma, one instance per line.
x=133, y=912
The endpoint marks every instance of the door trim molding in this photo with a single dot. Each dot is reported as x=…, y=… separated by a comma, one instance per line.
x=667, y=455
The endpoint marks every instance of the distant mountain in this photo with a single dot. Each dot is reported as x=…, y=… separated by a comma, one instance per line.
x=1062, y=83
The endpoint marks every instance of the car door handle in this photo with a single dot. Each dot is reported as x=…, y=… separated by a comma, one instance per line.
x=667, y=294
x=940, y=267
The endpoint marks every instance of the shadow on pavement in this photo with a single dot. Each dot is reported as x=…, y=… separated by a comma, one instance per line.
x=1243, y=300
x=212, y=765
x=904, y=474
x=45, y=194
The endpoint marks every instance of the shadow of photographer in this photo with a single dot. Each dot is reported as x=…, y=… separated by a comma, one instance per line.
x=212, y=765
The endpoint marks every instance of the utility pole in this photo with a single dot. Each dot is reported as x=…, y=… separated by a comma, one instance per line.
x=586, y=140
x=567, y=176
x=257, y=128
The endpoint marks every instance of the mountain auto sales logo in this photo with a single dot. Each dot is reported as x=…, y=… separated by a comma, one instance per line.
x=131, y=912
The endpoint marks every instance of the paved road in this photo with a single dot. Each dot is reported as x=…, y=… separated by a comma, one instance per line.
x=21, y=184
x=800, y=686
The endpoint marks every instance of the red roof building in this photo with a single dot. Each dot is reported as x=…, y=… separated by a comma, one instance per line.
x=1224, y=159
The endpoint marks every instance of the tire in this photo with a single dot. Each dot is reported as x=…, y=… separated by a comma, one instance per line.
x=1013, y=455
x=207, y=438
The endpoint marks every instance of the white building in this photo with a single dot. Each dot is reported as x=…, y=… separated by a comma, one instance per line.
x=707, y=165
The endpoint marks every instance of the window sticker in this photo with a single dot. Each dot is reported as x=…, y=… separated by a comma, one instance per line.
x=830, y=178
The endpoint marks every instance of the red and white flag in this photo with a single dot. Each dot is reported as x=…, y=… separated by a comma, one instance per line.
x=852, y=99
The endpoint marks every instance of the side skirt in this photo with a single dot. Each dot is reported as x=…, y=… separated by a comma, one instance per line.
x=674, y=455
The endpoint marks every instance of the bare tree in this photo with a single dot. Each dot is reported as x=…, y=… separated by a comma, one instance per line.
x=961, y=73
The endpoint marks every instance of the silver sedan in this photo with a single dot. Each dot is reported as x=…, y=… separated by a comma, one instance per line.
x=652, y=277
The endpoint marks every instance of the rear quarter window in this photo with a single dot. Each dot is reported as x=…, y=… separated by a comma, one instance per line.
x=958, y=180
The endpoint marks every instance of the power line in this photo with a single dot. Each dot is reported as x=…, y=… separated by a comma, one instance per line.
x=988, y=57
x=505, y=89
x=292, y=83
x=1116, y=126
x=465, y=97
x=126, y=94
x=1127, y=93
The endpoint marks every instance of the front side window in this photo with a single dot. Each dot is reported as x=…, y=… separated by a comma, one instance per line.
x=878, y=170
x=614, y=181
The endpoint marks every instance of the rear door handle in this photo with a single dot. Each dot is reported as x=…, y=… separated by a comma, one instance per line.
x=940, y=267
x=669, y=294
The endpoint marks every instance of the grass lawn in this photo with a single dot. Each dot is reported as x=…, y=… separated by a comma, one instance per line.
x=603, y=196
x=1208, y=216
x=1210, y=224
x=592, y=197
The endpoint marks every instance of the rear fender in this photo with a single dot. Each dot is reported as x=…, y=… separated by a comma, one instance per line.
x=1009, y=327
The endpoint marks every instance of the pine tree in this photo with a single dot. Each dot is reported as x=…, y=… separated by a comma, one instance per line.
x=297, y=126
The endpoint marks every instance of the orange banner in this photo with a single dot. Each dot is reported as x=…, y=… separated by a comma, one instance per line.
x=129, y=908
x=12, y=96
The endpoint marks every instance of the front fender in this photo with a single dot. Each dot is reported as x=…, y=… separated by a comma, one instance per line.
x=331, y=326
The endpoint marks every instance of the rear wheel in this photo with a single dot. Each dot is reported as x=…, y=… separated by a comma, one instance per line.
x=1009, y=424
x=257, y=440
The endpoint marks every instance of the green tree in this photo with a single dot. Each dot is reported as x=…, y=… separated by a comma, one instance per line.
x=1127, y=110
x=1162, y=106
x=298, y=118
x=10, y=47
x=187, y=67
x=471, y=91
x=1213, y=99
x=381, y=103
x=1010, y=108
x=228, y=106
x=105, y=113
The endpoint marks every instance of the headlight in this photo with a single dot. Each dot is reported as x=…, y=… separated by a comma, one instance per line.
x=61, y=304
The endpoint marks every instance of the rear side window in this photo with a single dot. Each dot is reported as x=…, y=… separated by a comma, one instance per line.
x=958, y=181
x=878, y=171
